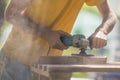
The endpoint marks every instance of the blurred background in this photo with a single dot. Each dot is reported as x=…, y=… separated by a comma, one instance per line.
x=87, y=21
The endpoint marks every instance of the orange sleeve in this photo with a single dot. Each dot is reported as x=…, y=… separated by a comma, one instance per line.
x=93, y=2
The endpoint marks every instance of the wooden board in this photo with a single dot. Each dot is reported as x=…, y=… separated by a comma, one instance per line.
x=80, y=68
x=57, y=67
x=72, y=60
x=84, y=68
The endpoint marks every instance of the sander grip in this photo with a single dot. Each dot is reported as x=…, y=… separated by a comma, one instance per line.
x=67, y=40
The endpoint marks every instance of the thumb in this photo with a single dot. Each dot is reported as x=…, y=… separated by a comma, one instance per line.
x=90, y=42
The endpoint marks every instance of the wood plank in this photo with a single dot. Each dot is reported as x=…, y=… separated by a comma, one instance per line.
x=59, y=71
x=84, y=68
x=72, y=60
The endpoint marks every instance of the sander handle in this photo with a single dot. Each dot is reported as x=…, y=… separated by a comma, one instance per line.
x=78, y=41
x=67, y=40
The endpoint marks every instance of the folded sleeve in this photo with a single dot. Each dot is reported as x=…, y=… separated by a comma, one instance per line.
x=94, y=2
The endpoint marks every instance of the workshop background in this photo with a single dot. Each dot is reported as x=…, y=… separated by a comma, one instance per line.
x=87, y=21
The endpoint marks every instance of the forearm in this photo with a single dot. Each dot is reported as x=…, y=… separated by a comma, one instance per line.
x=109, y=18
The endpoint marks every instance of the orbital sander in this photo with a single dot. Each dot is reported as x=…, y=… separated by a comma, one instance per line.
x=78, y=41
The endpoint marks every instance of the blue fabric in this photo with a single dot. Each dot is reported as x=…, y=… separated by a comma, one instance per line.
x=13, y=70
x=113, y=74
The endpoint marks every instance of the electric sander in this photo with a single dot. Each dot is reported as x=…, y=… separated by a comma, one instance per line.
x=78, y=41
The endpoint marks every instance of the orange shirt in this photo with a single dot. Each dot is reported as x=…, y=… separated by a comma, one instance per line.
x=56, y=14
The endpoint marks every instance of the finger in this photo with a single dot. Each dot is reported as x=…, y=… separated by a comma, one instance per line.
x=101, y=44
x=57, y=47
x=90, y=42
x=94, y=43
x=104, y=42
x=60, y=46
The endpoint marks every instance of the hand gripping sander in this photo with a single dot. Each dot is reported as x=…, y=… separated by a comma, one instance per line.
x=79, y=41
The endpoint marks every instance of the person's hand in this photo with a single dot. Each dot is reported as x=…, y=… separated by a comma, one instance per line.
x=98, y=40
x=53, y=39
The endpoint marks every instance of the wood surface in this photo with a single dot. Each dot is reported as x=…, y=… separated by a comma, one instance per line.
x=72, y=60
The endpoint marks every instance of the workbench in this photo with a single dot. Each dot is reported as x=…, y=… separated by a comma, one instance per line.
x=61, y=68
